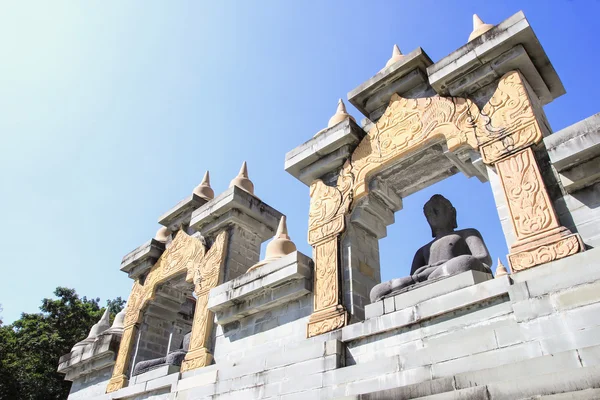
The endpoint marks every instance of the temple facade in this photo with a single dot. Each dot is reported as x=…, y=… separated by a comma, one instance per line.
x=207, y=318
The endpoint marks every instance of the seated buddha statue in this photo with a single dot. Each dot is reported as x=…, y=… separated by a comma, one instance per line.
x=450, y=252
x=173, y=358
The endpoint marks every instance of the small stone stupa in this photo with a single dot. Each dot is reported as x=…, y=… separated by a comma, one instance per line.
x=479, y=27
x=280, y=246
x=340, y=115
x=162, y=234
x=98, y=328
x=501, y=269
x=204, y=190
x=396, y=56
x=242, y=181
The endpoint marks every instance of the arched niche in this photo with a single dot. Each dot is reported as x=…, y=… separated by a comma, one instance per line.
x=185, y=265
x=416, y=143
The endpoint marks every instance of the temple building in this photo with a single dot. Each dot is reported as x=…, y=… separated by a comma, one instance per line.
x=209, y=318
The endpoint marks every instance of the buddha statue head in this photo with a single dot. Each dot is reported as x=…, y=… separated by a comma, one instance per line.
x=440, y=214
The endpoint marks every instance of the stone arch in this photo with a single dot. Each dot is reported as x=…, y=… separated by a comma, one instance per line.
x=502, y=133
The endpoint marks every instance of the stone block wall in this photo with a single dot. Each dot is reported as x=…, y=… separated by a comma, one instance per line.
x=262, y=332
x=244, y=251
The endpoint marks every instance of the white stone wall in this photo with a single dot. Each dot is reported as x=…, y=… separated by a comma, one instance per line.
x=535, y=334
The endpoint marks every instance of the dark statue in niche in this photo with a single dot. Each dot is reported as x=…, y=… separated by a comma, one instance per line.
x=450, y=252
x=173, y=358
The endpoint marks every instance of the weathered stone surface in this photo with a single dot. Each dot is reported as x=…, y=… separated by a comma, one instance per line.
x=574, y=144
x=181, y=214
x=324, y=153
x=484, y=52
x=401, y=77
x=144, y=256
x=235, y=205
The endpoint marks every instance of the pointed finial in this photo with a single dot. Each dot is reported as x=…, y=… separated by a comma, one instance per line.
x=101, y=325
x=340, y=115
x=396, y=56
x=242, y=181
x=118, y=323
x=280, y=246
x=479, y=27
x=282, y=231
x=500, y=269
x=204, y=190
x=162, y=234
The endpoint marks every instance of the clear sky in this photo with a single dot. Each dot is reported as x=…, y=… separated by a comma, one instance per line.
x=110, y=112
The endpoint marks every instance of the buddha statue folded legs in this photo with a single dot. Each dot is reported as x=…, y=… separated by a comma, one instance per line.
x=174, y=357
x=450, y=252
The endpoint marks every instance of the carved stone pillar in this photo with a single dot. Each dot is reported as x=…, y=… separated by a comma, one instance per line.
x=186, y=255
x=329, y=314
x=205, y=276
x=540, y=237
x=510, y=124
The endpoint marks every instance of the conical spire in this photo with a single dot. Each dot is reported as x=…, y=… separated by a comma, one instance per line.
x=204, y=190
x=242, y=180
x=479, y=27
x=96, y=330
x=501, y=269
x=340, y=114
x=118, y=323
x=282, y=232
x=280, y=246
x=101, y=325
x=162, y=234
x=396, y=56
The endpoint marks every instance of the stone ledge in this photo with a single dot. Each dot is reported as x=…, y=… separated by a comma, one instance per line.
x=136, y=389
x=574, y=144
x=422, y=292
x=266, y=287
x=427, y=309
x=94, y=356
x=236, y=205
x=323, y=153
x=147, y=253
x=377, y=91
x=154, y=373
x=181, y=213
x=483, y=50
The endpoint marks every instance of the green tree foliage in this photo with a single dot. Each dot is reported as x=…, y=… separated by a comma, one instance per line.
x=31, y=346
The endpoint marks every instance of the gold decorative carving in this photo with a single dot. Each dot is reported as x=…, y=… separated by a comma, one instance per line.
x=510, y=121
x=119, y=379
x=530, y=208
x=206, y=275
x=545, y=253
x=326, y=320
x=408, y=125
x=186, y=255
x=326, y=275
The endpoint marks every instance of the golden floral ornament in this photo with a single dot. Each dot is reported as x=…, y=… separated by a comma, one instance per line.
x=183, y=255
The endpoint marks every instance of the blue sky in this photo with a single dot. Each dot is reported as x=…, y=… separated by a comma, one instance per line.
x=110, y=112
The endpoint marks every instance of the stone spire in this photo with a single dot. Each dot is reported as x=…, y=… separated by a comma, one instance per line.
x=118, y=323
x=340, y=114
x=242, y=181
x=101, y=325
x=204, y=190
x=98, y=328
x=396, y=56
x=479, y=27
x=162, y=234
x=280, y=246
x=501, y=269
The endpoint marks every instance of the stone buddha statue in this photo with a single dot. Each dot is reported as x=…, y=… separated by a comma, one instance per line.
x=450, y=252
x=173, y=358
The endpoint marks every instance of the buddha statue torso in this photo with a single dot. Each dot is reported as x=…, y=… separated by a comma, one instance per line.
x=451, y=252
